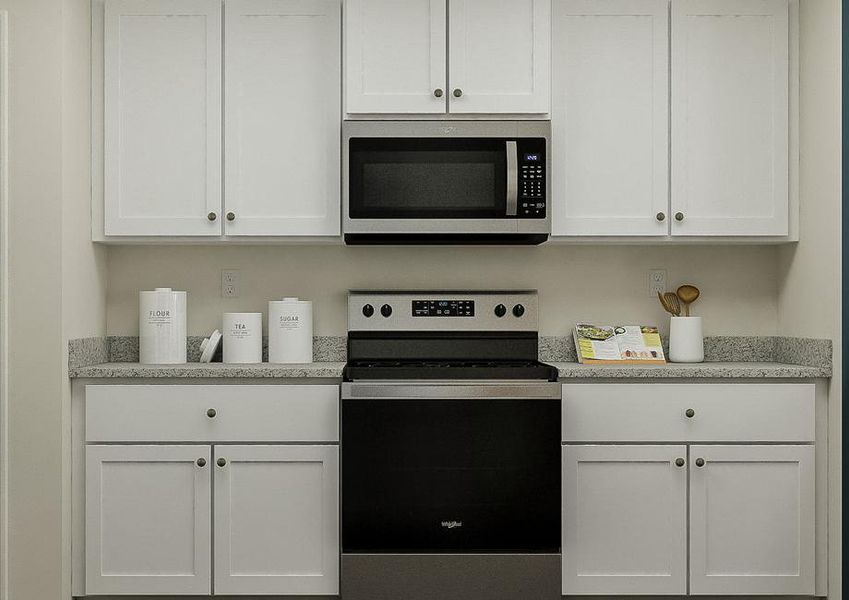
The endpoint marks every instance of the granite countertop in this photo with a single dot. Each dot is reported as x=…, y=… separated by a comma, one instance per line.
x=316, y=370
x=740, y=370
x=726, y=358
x=567, y=370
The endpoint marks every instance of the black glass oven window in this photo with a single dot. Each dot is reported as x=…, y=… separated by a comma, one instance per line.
x=391, y=178
x=450, y=476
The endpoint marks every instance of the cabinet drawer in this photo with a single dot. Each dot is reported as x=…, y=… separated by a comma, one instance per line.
x=255, y=413
x=734, y=412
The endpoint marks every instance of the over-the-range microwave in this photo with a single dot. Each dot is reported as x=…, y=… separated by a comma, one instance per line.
x=445, y=182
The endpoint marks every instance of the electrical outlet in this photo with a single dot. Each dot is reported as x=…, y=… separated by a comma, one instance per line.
x=657, y=281
x=229, y=283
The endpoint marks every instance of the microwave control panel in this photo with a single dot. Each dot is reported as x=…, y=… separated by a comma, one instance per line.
x=532, y=177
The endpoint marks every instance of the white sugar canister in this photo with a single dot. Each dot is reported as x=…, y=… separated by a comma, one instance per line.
x=242, y=337
x=290, y=331
x=162, y=326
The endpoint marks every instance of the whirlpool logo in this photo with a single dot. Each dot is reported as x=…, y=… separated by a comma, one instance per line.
x=451, y=524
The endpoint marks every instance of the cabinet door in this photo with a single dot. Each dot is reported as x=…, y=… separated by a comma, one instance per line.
x=162, y=117
x=624, y=520
x=395, y=56
x=147, y=523
x=499, y=53
x=282, y=99
x=730, y=117
x=610, y=117
x=277, y=520
x=752, y=520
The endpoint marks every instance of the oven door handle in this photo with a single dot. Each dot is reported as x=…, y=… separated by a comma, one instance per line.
x=512, y=178
x=451, y=391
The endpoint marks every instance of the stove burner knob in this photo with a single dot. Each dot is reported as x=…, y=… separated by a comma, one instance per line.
x=386, y=310
x=368, y=310
x=500, y=310
x=518, y=310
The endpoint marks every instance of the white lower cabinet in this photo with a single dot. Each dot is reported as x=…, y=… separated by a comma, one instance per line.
x=276, y=520
x=624, y=520
x=752, y=520
x=148, y=520
x=198, y=506
x=693, y=489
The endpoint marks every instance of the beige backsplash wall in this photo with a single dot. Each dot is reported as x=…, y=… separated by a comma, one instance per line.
x=594, y=283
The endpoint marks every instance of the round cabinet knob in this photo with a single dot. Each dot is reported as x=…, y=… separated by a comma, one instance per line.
x=679, y=462
x=518, y=310
x=500, y=310
x=231, y=216
x=457, y=92
x=222, y=461
x=660, y=216
x=690, y=413
x=211, y=413
x=679, y=216
x=212, y=216
x=201, y=462
x=700, y=462
x=386, y=310
x=437, y=92
x=368, y=310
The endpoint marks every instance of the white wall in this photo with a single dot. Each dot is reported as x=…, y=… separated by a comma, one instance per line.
x=57, y=277
x=603, y=284
x=809, y=272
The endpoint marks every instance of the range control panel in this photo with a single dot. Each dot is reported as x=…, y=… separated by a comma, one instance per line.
x=532, y=179
x=443, y=308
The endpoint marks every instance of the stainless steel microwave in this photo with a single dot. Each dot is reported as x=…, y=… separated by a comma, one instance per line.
x=446, y=182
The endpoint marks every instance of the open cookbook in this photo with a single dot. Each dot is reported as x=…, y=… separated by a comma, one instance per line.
x=618, y=344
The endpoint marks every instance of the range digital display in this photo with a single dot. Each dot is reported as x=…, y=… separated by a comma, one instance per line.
x=443, y=308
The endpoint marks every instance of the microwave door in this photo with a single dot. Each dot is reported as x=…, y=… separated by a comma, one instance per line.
x=416, y=179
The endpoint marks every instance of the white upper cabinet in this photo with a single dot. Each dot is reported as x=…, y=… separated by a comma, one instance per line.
x=282, y=111
x=730, y=117
x=752, y=520
x=624, y=520
x=610, y=80
x=277, y=520
x=499, y=56
x=162, y=117
x=147, y=524
x=395, y=56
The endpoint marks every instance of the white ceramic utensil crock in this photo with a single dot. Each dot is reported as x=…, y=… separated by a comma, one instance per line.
x=686, y=342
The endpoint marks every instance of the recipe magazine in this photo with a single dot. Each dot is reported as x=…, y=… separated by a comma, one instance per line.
x=618, y=344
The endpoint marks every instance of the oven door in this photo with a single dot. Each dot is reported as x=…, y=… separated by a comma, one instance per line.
x=451, y=468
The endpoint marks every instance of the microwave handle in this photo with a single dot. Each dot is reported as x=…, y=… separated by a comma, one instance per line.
x=512, y=178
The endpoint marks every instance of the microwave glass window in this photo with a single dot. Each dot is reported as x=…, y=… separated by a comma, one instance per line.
x=427, y=178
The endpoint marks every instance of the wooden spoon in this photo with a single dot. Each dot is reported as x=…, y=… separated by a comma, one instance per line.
x=687, y=294
x=670, y=303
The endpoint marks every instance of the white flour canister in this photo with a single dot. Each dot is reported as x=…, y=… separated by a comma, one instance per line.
x=242, y=338
x=162, y=327
x=290, y=331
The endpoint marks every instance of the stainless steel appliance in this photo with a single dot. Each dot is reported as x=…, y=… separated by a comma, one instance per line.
x=450, y=449
x=445, y=182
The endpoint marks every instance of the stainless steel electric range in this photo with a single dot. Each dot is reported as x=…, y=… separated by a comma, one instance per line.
x=450, y=449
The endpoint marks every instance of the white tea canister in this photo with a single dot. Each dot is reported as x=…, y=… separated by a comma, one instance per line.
x=686, y=342
x=290, y=331
x=242, y=337
x=162, y=327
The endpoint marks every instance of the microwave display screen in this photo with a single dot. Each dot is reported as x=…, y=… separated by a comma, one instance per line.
x=532, y=158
